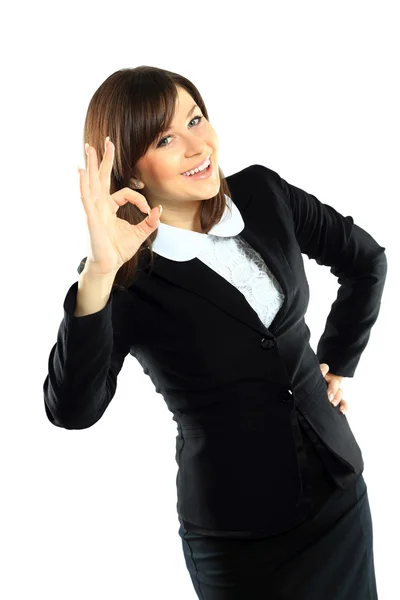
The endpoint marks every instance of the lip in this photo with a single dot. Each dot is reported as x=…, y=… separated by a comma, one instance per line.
x=202, y=175
x=198, y=164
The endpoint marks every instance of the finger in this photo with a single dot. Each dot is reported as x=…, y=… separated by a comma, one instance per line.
x=152, y=220
x=324, y=368
x=126, y=194
x=87, y=161
x=333, y=389
x=84, y=191
x=107, y=165
x=344, y=406
x=337, y=397
x=94, y=182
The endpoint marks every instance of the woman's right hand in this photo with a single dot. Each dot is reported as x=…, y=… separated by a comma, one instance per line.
x=113, y=241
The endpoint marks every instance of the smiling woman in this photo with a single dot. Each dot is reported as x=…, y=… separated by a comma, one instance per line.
x=158, y=123
x=271, y=498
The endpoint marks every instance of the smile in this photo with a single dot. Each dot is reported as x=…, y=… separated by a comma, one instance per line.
x=206, y=172
x=201, y=167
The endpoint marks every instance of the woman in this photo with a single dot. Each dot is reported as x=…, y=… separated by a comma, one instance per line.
x=271, y=498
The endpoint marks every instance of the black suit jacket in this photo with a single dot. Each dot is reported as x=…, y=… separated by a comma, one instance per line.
x=236, y=389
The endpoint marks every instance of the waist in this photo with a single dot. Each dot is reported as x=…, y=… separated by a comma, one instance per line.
x=253, y=412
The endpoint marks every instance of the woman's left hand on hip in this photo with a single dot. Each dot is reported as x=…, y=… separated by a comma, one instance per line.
x=335, y=392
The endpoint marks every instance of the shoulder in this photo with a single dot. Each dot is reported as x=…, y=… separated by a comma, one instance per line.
x=257, y=173
x=257, y=179
x=258, y=185
x=265, y=177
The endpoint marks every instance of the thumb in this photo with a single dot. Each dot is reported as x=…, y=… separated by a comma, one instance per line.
x=153, y=218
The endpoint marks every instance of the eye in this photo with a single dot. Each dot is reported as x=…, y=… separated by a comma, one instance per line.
x=161, y=145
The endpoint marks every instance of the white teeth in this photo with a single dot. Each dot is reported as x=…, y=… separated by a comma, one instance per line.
x=201, y=168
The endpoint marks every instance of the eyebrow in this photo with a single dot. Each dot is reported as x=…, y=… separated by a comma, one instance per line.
x=188, y=115
x=191, y=110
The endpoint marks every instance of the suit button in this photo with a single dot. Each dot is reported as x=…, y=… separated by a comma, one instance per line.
x=285, y=395
x=266, y=343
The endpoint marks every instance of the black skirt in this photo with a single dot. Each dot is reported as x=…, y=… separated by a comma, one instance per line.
x=327, y=557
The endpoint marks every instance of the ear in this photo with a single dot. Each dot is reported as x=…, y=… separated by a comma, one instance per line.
x=135, y=183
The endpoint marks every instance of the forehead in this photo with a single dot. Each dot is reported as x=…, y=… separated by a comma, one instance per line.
x=184, y=100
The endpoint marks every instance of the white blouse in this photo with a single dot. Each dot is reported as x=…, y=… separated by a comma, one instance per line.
x=228, y=254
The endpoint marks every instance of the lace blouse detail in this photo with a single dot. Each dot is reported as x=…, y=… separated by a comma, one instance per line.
x=234, y=259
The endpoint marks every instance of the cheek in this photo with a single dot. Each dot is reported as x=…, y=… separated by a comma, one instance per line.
x=162, y=170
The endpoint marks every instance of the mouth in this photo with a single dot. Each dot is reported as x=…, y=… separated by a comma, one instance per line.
x=204, y=174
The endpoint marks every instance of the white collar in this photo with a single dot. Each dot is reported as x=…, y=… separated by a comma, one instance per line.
x=182, y=244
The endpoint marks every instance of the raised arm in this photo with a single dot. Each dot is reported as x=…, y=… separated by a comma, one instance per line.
x=89, y=353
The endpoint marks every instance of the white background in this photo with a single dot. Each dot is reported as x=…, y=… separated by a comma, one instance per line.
x=309, y=89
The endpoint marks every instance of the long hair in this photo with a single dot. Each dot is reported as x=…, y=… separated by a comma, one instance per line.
x=134, y=107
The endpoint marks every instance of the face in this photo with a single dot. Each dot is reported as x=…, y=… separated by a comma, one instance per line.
x=184, y=145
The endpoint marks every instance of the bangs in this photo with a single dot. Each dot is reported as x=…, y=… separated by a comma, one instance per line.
x=153, y=105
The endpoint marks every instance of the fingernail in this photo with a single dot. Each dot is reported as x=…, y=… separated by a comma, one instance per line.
x=160, y=209
x=330, y=396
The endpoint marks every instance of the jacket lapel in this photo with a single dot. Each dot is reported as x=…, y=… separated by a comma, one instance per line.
x=197, y=277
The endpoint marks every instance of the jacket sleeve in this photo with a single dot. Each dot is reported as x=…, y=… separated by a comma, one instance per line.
x=360, y=265
x=85, y=361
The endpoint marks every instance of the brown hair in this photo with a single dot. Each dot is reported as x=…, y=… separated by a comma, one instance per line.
x=134, y=107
